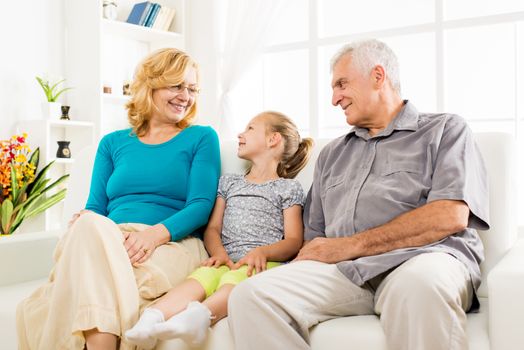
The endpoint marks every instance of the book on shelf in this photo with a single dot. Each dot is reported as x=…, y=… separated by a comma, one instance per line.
x=152, y=15
x=160, y=18
x=147, y=13
x=169, y=19
x=139, y=13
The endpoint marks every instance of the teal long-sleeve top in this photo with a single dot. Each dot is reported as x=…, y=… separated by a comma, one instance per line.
x=173, y=183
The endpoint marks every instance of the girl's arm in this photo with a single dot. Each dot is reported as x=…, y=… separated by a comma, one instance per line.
x=282, y=250
x=212, y=237
x=287, y=248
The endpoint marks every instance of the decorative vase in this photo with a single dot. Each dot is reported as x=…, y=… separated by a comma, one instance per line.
x=63, y=149
x=51, y=110
x=65, y=113
x=109, y=9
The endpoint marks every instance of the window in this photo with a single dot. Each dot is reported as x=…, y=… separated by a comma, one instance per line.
x=341, y=18
x=480, y=70
x=476, y=8
x=464, y=57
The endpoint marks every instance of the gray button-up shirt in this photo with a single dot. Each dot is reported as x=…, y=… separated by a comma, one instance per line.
x=364, y=181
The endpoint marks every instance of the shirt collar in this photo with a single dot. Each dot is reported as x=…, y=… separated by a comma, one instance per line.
x=406, y=119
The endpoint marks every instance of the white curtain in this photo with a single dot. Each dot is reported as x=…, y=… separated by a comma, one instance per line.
x=246, y=28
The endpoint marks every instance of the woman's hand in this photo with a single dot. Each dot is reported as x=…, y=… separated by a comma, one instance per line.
x=256, y=259
x=76, y=216
x=218, y=260
x=140, y=245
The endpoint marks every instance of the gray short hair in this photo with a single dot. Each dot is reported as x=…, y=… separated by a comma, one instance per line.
x=367, y=54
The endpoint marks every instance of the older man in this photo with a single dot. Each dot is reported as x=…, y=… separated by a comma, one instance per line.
x=390, y=223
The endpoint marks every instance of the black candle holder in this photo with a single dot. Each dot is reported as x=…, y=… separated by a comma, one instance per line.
x=63, y=149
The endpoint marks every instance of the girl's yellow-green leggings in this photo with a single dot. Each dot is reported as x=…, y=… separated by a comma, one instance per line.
x=212, y=278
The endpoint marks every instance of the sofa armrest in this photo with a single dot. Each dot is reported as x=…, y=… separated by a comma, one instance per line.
x=27, y=256
x=506, y=300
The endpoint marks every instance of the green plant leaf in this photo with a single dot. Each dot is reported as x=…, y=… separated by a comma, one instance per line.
x=55, y=97
x=56, y=84
x=44, y=190
x=40, y=187
x=14, y=184
x=31, y=199
x=35, y=157
x=45, y=86
x=20, y=195
x=50, y=90
x=47, y=203
x=37, y=198
x=33, y=160
x=6, y=213
x=18, y=219
x=40, y=177
x=56, y=183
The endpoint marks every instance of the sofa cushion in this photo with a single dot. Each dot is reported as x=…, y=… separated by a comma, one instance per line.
x=10, y=296
x=356, y=332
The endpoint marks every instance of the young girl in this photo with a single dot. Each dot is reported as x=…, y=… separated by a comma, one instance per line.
x=255, y=224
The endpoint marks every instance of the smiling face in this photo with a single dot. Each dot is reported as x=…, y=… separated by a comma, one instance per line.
x=174, y=102
x=254, y=139
x=354, y=92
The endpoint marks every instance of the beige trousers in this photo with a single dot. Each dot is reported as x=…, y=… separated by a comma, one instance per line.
x=94, y=285
x=421, y=304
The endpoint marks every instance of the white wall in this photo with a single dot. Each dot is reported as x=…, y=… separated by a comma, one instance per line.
x=202, y=43
x=35, y=46
x=32, y=43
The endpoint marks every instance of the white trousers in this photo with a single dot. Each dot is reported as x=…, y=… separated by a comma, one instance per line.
x=421, y=304
x=94, y=285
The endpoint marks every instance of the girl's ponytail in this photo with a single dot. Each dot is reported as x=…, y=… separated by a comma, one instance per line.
x=289, y=168
x=296, y=150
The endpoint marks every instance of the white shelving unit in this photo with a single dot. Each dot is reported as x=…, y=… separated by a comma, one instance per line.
x=135, y=32
x=102, y=52
x=99, y=52
x=45, y=134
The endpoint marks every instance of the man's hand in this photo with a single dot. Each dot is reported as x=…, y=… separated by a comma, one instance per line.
x=256, y=259
x=218, y=260
x=327, y=250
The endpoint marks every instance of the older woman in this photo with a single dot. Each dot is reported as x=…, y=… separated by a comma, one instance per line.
x=153, y=186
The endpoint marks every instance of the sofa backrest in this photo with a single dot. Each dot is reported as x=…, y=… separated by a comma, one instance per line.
x=498, y=151
x=496, y=148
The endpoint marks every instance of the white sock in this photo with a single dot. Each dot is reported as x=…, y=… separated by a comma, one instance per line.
x=190, y=325
x=140, y=334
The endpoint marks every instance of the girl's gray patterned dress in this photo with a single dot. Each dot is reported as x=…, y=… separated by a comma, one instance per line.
x=254, y=212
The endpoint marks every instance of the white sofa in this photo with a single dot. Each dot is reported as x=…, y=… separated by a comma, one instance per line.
x=498, y=325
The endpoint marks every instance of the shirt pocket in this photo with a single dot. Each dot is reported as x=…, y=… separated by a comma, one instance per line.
x=403, y=182
x=334, y=182
x=333, y=195
x=402, y=167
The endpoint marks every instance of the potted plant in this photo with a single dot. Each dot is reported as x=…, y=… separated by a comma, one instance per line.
x=51, y=108
x=24, y=192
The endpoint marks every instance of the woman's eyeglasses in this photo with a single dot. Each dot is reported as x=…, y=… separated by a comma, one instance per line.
x=179, y=88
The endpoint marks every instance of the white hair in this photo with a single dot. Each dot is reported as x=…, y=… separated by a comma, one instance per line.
x=367, y=54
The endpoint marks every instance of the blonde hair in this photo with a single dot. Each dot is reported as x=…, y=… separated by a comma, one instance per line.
x=297, y=150
x=162, y=68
